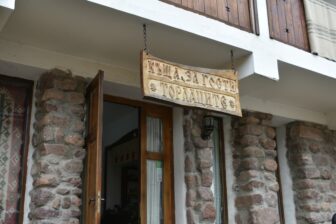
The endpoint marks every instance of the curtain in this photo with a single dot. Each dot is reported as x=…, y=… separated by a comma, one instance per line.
x=154, y=172
x=13, y=112
x=321, y=24
x=154, y=134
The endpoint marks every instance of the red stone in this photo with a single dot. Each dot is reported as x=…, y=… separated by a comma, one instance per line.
x=249, y=200
x=75, y=98
x=55, y=149
x=270, y=165
x=205, y=194
x=52, y=94
x=251, y=130
x=74, y=139
x=264, y=216
x=191, y=181
x=208, y=212
x=249, y=140
x=268, y=143
x=307, y=132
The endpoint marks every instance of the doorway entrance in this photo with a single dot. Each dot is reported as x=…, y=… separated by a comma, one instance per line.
x=135, y=178
x=121, y=164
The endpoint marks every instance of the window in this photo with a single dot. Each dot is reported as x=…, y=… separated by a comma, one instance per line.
x=219, y=184
x=287, y=22
x=238, y=13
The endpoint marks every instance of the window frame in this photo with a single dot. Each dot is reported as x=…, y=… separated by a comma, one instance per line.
x=222, y=170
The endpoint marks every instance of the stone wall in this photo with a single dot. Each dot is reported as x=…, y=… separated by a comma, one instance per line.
x=198, y=174
x=255, y=169
x=312, y=160
x=58, y=149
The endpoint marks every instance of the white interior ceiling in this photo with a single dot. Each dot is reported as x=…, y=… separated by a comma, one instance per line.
x=297, y=87
x=86, y=30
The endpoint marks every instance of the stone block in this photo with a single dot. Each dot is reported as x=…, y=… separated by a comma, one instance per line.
x=73, y=166
x=307, y=132
x=252, y=185
x=264, y=216
x=271, y=199
x=253, y=151
x=52, y=149
x=52, y=134
x=247, y=175
x=205, y=194
x=248, y=200
x=270, y=165
x=250, y=164
x=41, y=197
x=270, y=132
x=68, y=84
x=47, y=180
x=53, y=119
x=208, y=212
x=75, y=97
x=308, y=194
x=251, y=130
x=206, y=178
x=191, y=217
x=191, y=181
x=189, y=164
x=52, y=94
x=191, y=198
x=45, y=213
x=249, y=140
x=267, y=143
x=74, y=139
x=308, y=173
x=66, y=203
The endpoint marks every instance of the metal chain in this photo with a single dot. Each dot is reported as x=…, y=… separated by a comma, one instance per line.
x=145, y=37
x=232, y=61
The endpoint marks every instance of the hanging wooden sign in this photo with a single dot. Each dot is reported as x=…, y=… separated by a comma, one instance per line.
x=210, y=89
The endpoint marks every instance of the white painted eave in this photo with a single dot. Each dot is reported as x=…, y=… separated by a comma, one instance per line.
x=10, y=4
x=266, y=52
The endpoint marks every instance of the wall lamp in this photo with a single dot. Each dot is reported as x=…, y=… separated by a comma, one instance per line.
x=207, y=127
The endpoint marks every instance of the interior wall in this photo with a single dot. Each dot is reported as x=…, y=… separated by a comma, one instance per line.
x=118, y=120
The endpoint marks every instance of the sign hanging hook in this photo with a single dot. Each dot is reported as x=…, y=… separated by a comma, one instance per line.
x=145, y=38
x=232, y=61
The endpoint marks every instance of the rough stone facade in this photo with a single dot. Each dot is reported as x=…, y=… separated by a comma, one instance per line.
x=59, y=153
x=255, y=169
x=198, y=174
x=312, y=160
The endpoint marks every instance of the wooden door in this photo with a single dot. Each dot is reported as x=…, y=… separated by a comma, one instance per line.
x=156, y=154
x=92, y=188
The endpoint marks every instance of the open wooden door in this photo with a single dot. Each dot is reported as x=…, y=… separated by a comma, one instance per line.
x=92, y=189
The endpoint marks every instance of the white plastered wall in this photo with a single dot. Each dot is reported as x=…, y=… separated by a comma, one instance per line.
x=285, y=177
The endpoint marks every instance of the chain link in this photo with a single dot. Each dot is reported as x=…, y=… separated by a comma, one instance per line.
x=145, y=37
x=232, y=61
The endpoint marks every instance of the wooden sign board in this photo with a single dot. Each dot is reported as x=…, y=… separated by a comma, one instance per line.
x=210, y=89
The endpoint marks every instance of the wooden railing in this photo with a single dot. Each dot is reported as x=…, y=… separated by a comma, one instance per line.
x=287, y=22
x=238, y=13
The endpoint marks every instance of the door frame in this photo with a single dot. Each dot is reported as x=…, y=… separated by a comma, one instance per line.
x=144, y=107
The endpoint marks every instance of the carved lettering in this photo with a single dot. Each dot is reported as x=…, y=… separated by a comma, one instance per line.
x=190, y=86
